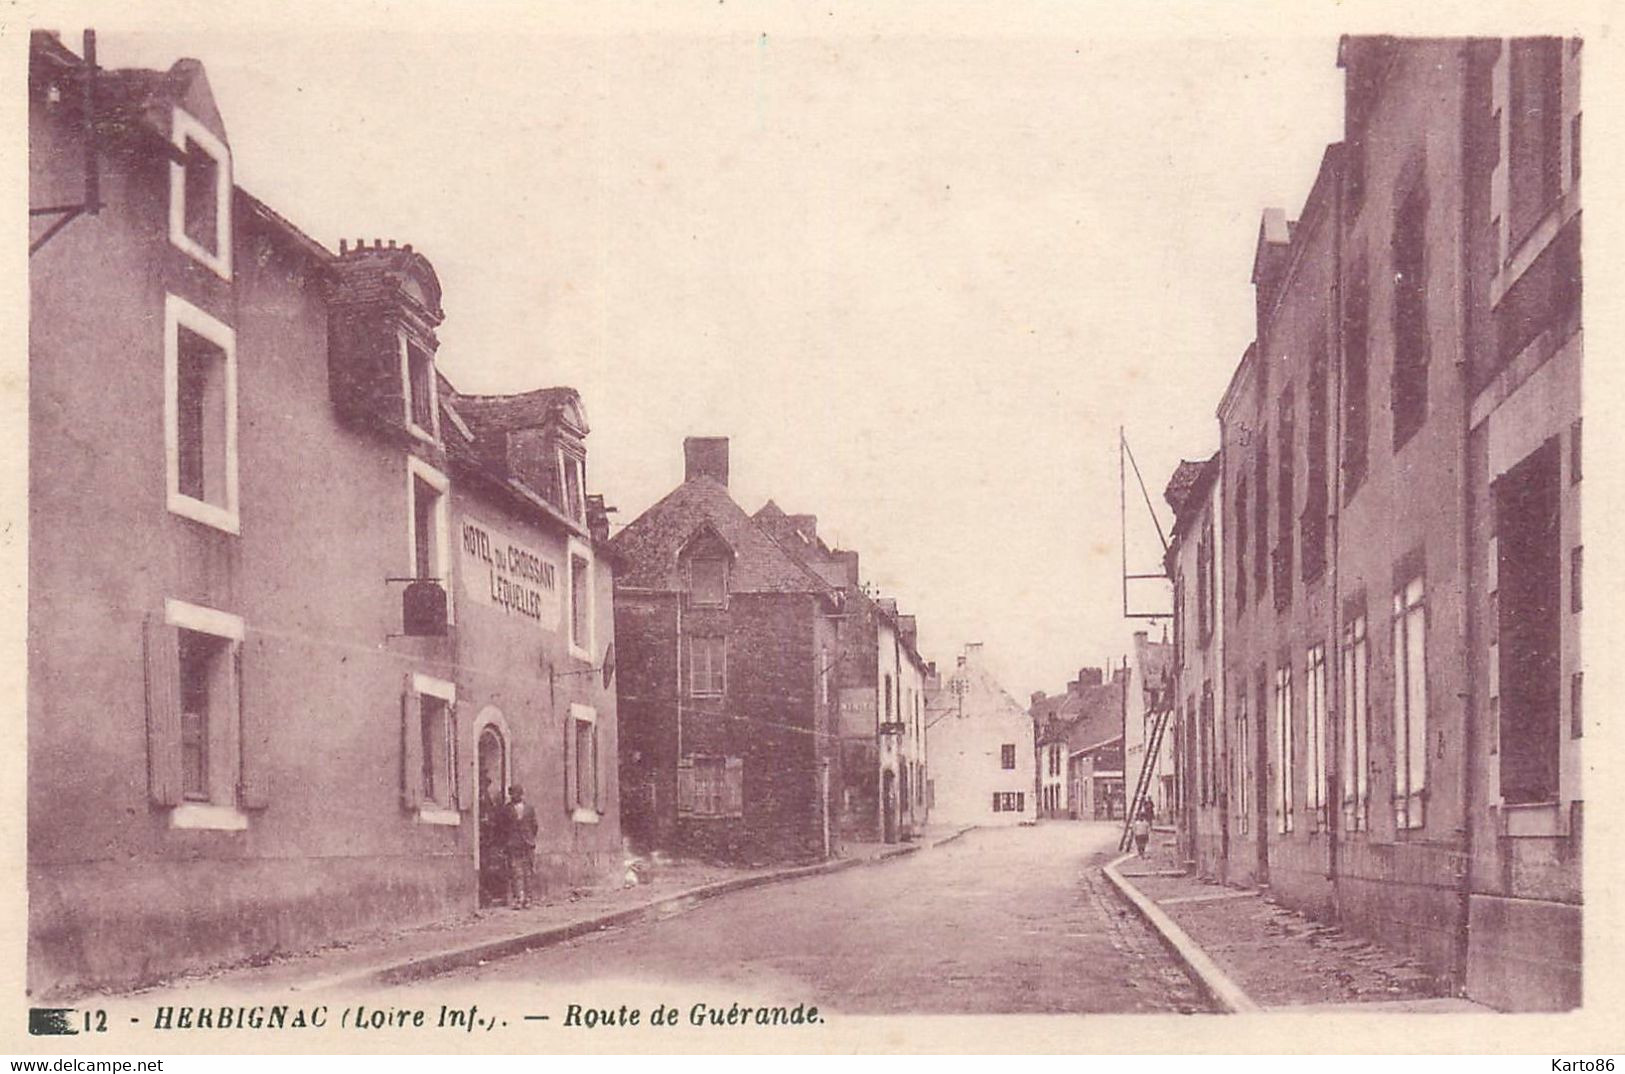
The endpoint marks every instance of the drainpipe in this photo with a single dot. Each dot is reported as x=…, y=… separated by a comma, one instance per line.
x=1334, y=790
x=1469, y=745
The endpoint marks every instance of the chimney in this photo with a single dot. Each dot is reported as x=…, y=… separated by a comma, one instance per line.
x=849, y=560
x=706, y=456
x=1090, y=676
x=1038, y=698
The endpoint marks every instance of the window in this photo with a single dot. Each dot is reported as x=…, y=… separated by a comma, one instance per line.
x=1314, y=507
x=583, y=784
x=1529, y=623
x=202, y=659
x=710, y=786
x=200, y=194
x=1410, y=705
x=1285, y=494
x=1356, y=383
x=1208, y=790
x=1261, y=516
x=573, y=483
x=1205, y=583
x=1409, y=385
x=193, y=662
x=1244, y=764
x=421, y=390
x=1179, y=620
x=427, y=536
x=1315, y=727
x=887, y=690
x=1355, y=769
x=1534, y=132
x=1009, y=801
x=581, y=602
x=429, y=783
x=708, y=581
x=434, y=722
x=707, y=664
x=1284, y=749
x=1007, y=756
x=1241, y=541
x=200, y=415
x=1574, y=577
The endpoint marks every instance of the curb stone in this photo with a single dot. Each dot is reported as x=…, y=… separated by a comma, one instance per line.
x=1198, y=964
x=426, y=966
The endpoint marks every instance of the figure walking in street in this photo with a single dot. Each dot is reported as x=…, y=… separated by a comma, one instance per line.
x=521, y=847
x=1142, y=828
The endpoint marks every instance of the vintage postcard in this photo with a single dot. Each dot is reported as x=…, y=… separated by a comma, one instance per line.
x=714, y=528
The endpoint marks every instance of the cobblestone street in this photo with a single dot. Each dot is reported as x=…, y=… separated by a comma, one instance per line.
x=1003, y=920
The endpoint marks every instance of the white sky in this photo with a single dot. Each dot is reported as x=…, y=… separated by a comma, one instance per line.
x=919, y=278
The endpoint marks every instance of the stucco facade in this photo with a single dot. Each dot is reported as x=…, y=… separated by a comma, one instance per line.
x=980, y=742
x=227, y=727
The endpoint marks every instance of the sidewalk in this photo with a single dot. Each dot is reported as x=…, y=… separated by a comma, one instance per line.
x=1251, y=953
x=395, y=956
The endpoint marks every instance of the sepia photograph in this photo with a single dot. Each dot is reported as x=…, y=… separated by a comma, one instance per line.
x=761, y=529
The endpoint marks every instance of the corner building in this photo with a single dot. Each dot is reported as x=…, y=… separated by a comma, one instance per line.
x=264, y=699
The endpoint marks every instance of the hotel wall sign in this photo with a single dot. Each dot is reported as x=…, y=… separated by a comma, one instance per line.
x=500, y=572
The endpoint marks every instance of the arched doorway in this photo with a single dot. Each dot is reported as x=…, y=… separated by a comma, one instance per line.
x=491, y=751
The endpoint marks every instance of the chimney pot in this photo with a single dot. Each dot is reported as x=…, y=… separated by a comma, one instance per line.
x=706, y=456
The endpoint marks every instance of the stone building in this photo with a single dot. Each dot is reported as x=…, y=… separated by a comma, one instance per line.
x=327, y=597
x=878, y=677
x=726, y=643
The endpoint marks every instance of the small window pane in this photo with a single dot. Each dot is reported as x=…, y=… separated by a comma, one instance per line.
x=708, y=580
x=202, y=198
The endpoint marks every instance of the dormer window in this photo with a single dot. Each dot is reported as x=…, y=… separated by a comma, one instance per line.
x=573, y=483
x=200, y=194
x=707, y=580
x=417, y=373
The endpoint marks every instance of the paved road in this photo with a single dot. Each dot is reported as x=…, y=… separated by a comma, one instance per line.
x=1001, y=920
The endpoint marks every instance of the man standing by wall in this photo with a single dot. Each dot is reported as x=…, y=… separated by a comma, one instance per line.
x=521, y=846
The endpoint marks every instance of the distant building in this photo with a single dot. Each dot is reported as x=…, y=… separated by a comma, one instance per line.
x=1148, y=690
x=878, y=678
x=726, y=645
x=980, y=741
x=1205, y=748
x=1080, y=747
x=328, y=599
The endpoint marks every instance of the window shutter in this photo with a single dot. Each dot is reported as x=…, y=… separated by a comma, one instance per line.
x=461, y=780
x=254, y=748
x=685, y=786
x=571, y=791
x=411, y=747
x=223, y=731
x=161, y=645
x=734, y=786
x=600, y=773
